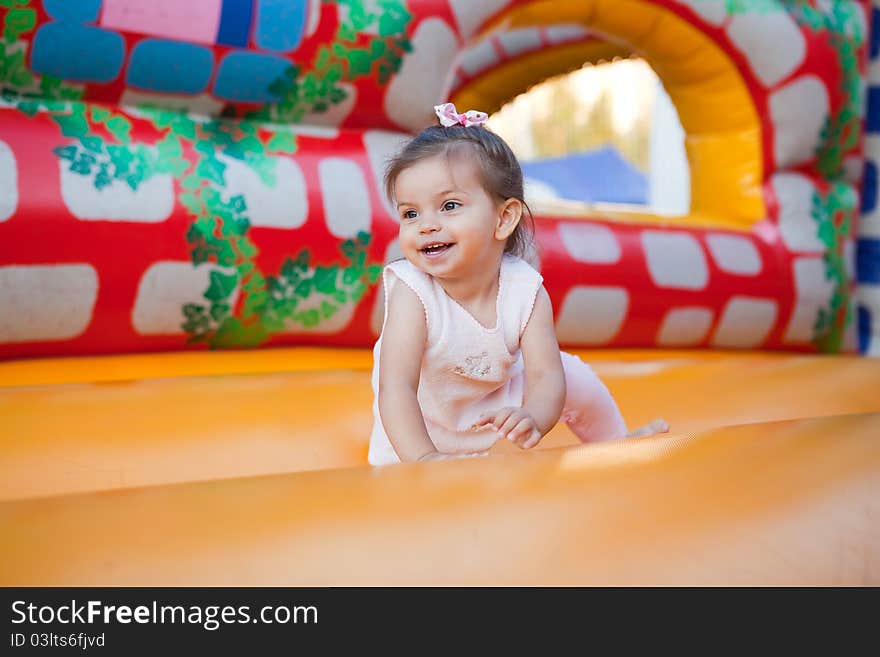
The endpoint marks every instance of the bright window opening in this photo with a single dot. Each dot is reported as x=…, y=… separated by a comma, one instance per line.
x=606, y=133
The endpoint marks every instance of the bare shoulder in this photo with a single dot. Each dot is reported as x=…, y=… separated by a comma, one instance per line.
x=542, y=310
x=404, y=304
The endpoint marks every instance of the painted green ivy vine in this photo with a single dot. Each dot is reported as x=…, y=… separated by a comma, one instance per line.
x=243, y=306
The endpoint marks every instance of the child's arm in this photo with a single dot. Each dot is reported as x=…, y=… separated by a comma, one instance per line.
x=400, y=362
x=544, y=394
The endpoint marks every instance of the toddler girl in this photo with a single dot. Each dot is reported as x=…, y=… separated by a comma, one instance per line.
x=468, y=351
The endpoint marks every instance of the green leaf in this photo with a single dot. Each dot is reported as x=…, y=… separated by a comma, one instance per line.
x=302, y=260
x=358, y=291
x=212, y=169
x=348, y=248
x=18, y=21
x=21, y=78
x=66, y=152
x=72, y=125
x=304, y=289
x=364, y=238
x=169, y=147
x=325, y=279
x=359, y=62
x=119, y=127
x=93, y=143
x=248, y=249
x=221, y=286
x=120, y=157
x=191, y=203
x=190, y=182
x=200, y=255
x=29, y=107
x=308, y=318
x=102, y=179
x=328, y=310
x=282, y=142
x=219, y=311
x=193, y=310
x=352, y=274
x=99, y=114
x=177, y=167
x=374, y=272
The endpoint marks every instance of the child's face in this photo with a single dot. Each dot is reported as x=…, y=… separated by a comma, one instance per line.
x=448, y=222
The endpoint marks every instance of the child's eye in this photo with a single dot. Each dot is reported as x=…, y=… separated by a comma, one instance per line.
x=410, y=214
x=451, y=205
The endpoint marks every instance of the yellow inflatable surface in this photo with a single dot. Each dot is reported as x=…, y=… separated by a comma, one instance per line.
x=245, y=469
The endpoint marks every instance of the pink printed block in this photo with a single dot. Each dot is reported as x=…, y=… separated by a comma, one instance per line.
x=193, y=20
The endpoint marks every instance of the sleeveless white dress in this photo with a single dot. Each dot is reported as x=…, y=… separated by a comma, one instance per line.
x=468, y=369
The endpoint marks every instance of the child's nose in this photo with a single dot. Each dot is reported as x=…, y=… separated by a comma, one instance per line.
x=429, y=224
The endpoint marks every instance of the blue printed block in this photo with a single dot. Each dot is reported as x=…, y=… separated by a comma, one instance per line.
x=235, y=23
x=875, y=32
x=865, y=329
x=170, y=66
x=869, y=187
x=73, y=11
x=872, y=120
x=280, y=24
x=77, y=52
x=868, y=261
x=247, y=76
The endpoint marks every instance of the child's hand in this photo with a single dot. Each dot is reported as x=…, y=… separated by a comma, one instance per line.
x=513, y=423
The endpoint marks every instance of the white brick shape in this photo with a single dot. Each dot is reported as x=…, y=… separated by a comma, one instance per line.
x=517, y=42
x=711, y=11
x=675, y=260
x=794, y=194
x=470, y=15
x=152, y=202
x=286, y=205
x=381, y=145
x=592, y=315
x=165, y=288
x=812, y=292
x=479, y=57
x=202, y=105
x=8, y=182
x=684, y=327
x=869, y=297
x=566, y=32
x=590, y=243
x=46, y=302
x=771, y=42
x=735, y=254
x=745, y=322
x=799, y=110
x=346, y=197
x=418, y=86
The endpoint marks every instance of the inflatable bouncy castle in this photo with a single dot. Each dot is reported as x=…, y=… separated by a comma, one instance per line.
x=192, y=235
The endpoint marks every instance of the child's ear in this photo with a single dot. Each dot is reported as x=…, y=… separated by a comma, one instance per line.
x=509, y=214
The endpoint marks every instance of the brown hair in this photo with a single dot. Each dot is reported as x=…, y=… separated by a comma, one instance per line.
x=499, y=169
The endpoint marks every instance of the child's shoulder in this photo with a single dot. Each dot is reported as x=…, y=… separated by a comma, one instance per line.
x=407, y=272
x=521, y=268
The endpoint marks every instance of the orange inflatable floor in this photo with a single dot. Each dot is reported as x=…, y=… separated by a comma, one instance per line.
x=250, y=468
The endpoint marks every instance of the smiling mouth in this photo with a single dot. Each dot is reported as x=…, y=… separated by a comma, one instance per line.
x=436, y=249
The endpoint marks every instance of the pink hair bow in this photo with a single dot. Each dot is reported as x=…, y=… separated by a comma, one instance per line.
x=449, y=116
